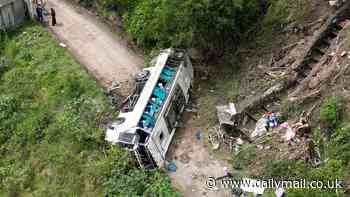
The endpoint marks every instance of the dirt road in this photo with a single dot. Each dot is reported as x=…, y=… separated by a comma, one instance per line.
x=104, y=54
x=195, y=164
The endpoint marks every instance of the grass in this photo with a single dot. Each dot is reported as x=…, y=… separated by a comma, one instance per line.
x=330, y=110
x=221, y=88
x=48, y=108
x=51, y=135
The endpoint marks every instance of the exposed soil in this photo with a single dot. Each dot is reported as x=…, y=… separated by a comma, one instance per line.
x=194, y=162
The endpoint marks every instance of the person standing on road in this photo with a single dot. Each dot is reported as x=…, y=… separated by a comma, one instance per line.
x=39, y=13
x=53, y=17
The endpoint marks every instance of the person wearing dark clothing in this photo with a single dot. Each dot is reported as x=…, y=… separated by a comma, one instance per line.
x=39, y=13
x=53, y=16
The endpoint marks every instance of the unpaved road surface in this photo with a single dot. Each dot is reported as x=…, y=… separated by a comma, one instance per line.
x=104, y=54
x=107, y=57
x=194, y=164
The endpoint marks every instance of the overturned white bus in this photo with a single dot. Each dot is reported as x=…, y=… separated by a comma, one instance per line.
x=148, y=118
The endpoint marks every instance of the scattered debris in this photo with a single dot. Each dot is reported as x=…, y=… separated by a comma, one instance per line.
x=271, y=119
x=254, y=186
x=63, y=45
x=216, y=146
x=289, y=132
x=239, y=141
x=260, y=128
x=312, y=155
x=172, y=167
x=343, y=24
x=191, y=109
x=199, y=135
x=225, y=114
x=290, y=46
x=237, y=165
x=272, y=60
x=279, y=192
x=214, y=138
x=340, y=73
x=217, y=137
x=336, y=3
x=226, y=172
x=115, y=85
x=309, y=96
x=333, y=3
x=343, y=53
x=302, y=127
x=231, y=109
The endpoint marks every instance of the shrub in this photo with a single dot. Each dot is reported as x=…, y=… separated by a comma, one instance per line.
x=283, y=169
x=8, y=105
x=289, y=110
x=330, y=114
x=212, y=26
x=339, y=147
x=246, y=155
x=120, y=6
x=87, y=3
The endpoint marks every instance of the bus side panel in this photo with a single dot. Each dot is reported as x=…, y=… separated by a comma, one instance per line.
x=184, y=82
x=158, y=158
x=161, y=136
x=168, y=134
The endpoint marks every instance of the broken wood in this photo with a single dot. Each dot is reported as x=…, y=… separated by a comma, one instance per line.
x=309, y=113
x=251, y=116
x=286, y=48
x=340, y=73
x=246, y=135
x=314, y=23
x=272, y=60
x=301, y=99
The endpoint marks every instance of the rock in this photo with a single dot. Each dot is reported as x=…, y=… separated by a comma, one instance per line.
x=216, y=146
x=239, y=141
x=332, y=3
x=343, y=53
x=63, y=45
x=194, y=54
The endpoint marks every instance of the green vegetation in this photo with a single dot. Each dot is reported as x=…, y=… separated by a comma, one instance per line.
x=214, y=27
x=330, y=170
x=282, y=12
x=289, y=110
x=329, y=115
x=51, y=114
x=245, y=156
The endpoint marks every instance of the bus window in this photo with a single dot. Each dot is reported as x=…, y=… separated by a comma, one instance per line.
x=174, y=108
